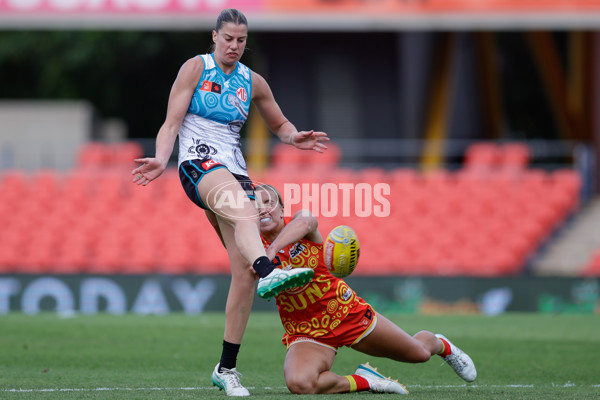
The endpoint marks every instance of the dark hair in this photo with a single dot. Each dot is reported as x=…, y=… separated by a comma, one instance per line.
x=230, y=15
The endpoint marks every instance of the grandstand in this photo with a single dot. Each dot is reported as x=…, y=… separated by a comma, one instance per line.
x=492, y=217
x=478, y=119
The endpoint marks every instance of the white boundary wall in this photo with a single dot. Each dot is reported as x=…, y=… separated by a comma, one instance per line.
x=43, y=134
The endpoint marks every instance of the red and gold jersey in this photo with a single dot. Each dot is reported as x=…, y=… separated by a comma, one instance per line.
x=320, y=306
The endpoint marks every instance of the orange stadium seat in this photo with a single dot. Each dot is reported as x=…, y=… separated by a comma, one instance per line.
x=107, y=254
x=290, y=158
x=46, y=184
x=12, y=248
x=38, y=252
x=101, y=154
x=286, y=156
x=328, y=159
x=72, y=253
x=486, y=219
x=140, y=261
x=14, y=186
x=514, y=157
x=482, y=156
x=592, y=268
x=123, y=153
x=372, y=176
x=211, y=261
x=9, y=259
x=176, y=258
x=93, y=154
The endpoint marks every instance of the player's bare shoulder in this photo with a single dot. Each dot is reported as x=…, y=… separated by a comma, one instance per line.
x=193, y=66
x=260, y=87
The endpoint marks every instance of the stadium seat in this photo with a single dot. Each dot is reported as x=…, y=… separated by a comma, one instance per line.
x=482, y=157
x=123, y=153
x=329, y=158
x=480, y=221
x=38, y=253
x=72, y=254
x=514, y=157
x=12, y=248
x=46, y=184
x=296, y=162
x=212, y=261
x=372, y=176
x=176, y=257
x=92, y=155
x=404, y=178
x=592, y=268
x=568, y=183
x=284, y=156
x=14, y=185
x=107, y=254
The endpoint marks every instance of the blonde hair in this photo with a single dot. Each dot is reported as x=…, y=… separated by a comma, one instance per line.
x=265, y=186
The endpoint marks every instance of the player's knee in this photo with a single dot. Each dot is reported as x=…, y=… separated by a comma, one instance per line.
x=419, y=351
x=301, y=385
x=426, y=346
x=421, y=355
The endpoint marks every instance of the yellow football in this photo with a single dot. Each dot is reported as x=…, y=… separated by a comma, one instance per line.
x=341, y=250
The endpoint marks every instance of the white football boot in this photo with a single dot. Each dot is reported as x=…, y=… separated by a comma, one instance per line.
x=280, y=279
x=460, y=362
x=379, y=383
x=229, y=380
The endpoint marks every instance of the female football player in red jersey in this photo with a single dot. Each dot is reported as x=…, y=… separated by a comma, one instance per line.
x=326, y=314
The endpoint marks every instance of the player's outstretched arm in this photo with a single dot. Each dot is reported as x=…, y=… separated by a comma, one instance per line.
x=179, y=101
x=303, y=225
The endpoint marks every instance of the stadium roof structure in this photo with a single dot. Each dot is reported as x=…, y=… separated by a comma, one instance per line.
x=303, y=15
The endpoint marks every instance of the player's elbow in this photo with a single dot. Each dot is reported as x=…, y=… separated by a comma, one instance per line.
x=309, y=222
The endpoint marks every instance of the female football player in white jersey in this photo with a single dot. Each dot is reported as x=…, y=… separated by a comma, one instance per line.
x=325, y=314
x=208, y=105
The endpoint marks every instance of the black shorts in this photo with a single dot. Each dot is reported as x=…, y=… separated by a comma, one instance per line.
x=192, y=171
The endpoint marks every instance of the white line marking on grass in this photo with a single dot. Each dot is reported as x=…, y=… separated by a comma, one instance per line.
x=514, y=386
x=102, y=389
x=464, y=385
x=568, y=384
x=165, y=389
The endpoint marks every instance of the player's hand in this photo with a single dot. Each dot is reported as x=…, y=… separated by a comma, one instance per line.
x=150, y=169
x=310, y=140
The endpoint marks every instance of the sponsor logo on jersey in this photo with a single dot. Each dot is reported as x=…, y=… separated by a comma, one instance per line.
x=347, y=294
x=368, y=317
x=242, y=94
x=209, y=86
x=329, y=254
x=297, y=249
x=208, y=164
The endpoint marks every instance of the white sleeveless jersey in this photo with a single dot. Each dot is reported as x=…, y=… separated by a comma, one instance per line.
x=218, y=110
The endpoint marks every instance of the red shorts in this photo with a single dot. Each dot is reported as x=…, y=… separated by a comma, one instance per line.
x=358, y=324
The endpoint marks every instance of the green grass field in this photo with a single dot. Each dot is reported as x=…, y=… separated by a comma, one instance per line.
x=518, y=356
